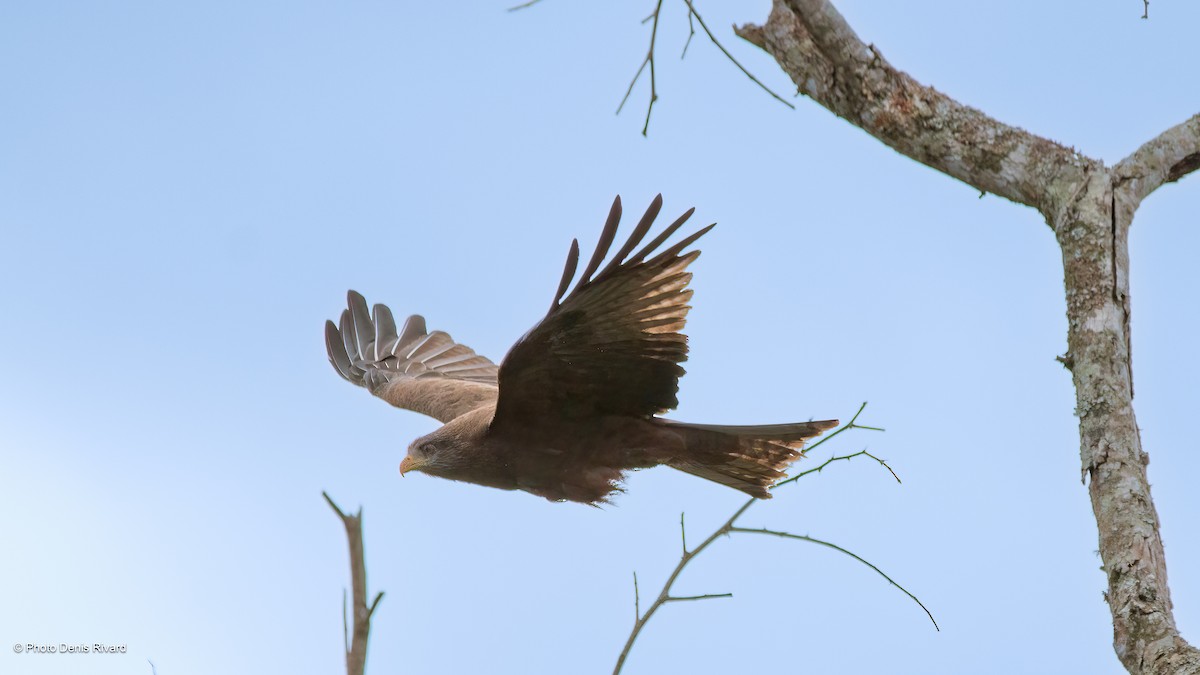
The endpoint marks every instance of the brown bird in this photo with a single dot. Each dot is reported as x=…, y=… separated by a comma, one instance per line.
x=574, y=404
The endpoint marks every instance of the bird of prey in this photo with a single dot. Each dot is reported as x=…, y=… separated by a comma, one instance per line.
x=576, y=402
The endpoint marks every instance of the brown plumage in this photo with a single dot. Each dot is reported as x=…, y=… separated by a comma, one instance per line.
x=574, y=404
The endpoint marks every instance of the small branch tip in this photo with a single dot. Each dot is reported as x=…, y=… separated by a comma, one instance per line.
x=523, y=5
x=725, y=530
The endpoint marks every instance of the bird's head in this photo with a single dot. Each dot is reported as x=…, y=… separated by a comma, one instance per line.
x=454, y=451
x=437, y=454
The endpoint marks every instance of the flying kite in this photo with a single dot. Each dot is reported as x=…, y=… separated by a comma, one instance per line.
x=576, y=402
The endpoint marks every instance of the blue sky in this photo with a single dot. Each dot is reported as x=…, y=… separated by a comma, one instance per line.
x=187, y=191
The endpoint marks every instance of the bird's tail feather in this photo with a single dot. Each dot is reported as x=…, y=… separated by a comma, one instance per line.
x=746, y=458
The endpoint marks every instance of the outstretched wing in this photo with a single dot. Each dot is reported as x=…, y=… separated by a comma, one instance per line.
x=425, y=372
x=613, y=345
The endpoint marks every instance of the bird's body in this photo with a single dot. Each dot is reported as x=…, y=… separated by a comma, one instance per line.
x=582, y=464
x=574, y=404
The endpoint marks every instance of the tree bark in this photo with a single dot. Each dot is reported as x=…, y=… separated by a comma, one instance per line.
x=1090, y=208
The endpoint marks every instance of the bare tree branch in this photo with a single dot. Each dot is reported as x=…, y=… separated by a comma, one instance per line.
x=1165, y=158
x=852, y=424
x=664, y=596
x=691, y=34
x=523, y=5
x=1093, y=232
x=830, y=64
x=730, y=527
x=803, y=537
x=699, y=19
x=650, y=61
x=1090, y=208
x=356, y=647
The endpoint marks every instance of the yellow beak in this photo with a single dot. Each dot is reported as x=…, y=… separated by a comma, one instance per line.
x=408, y=464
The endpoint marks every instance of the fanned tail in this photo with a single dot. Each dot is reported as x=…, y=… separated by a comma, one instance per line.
x=746, y=458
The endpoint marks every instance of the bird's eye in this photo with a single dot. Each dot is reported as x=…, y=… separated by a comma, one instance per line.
x=428, y=449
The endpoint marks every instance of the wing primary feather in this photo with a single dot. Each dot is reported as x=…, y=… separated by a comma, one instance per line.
x=363, y=330
x=674, y=250
x=635, y=238
x=337, y=351
x=414, y=327
x=641, y=255
x=348, y=339
x=568, y=273
x=385, y=331
x=606, y=240
x=428, y=346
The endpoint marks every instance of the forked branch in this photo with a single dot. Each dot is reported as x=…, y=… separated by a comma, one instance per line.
x=356, y=643
x=1090, y=207
x=730, y=527
x=649, y=60
x=693, y=18
x=830, y=64
x=1165, y=158
x=699, y=19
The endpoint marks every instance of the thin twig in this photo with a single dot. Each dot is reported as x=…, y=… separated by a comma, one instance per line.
x=356, y=647
x=839, y=458
x=631, y=83
x=699, y=19
x=648, y=60
x=706, y=596
x=729, y=527
x=637, y=601
x=523, y=5
x=852, y=424
x=691, y=34
x=664, y=596
x=682, y=533
x=801, y=537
